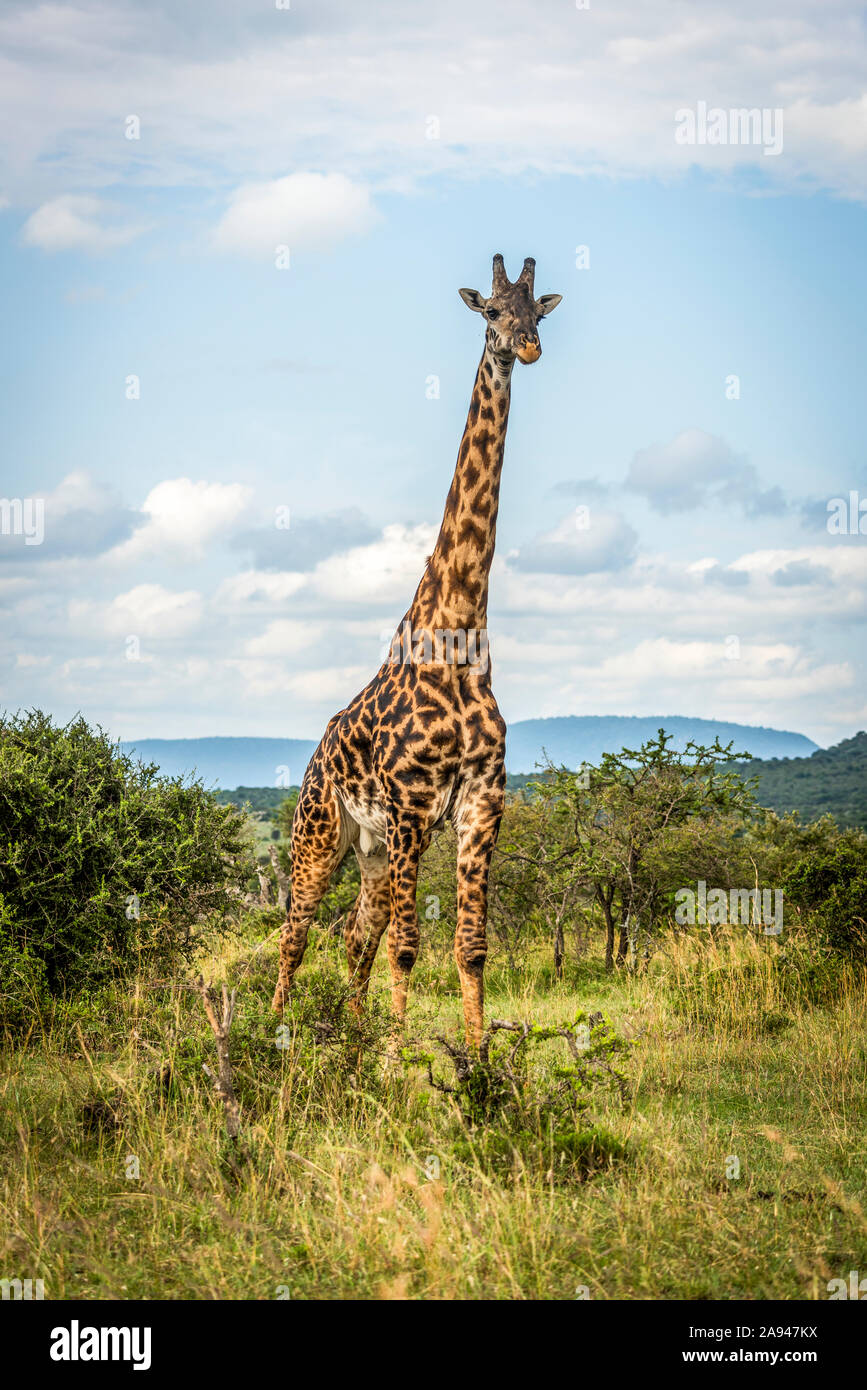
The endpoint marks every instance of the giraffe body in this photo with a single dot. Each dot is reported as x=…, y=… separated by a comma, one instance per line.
x=424, y=741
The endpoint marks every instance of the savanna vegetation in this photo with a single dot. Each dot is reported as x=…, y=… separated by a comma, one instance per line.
x=669, y=1103
x=831, y=782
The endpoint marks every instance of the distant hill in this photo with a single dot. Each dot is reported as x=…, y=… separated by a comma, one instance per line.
x=228, y=762
x=576, y=739
x=278, y=762
x=831, y=781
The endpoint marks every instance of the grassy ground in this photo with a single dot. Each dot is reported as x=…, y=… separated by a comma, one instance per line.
x=337, y=1194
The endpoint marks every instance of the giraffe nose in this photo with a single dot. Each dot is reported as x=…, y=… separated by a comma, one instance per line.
x=529, y=348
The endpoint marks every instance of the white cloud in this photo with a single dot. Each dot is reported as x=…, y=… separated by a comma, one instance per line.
x=74, y=222
x=301, y=211
x=673, y=595
x=85, y=294
x=82, y=517
x=313, y=687
x=386, y=571
x=586, y=541
x=383, y=573
x=148, y=610
x=696, y=468
x=648, y=637
x=80, y=492
x=258, y=589
x=283, y=637
x=232, y=88
x=762, y=672
x=183, y=517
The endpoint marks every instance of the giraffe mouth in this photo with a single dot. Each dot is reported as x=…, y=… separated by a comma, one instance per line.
x=529, y=352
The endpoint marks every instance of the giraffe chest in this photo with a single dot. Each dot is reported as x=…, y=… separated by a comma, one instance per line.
x=367, y=815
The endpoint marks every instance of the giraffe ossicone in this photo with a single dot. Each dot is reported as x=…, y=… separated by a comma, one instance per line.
x=424, y=741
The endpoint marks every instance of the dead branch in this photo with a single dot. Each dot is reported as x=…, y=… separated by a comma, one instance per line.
x=220, y=1025
x=264, y=887
x=281, y=876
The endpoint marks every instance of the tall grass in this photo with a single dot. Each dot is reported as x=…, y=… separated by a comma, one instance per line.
x=356, y=1179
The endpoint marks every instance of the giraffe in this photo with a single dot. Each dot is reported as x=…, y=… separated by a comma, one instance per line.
x=424, y=741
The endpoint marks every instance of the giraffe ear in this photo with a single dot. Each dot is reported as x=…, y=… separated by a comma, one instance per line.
x=547, y=304
x=473, y=300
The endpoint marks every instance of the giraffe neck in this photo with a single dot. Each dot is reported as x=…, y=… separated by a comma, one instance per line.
x=453, y=593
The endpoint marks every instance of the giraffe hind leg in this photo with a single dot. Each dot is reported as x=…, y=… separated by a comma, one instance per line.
x=369, y=918
x=407, y=842
x=477, y=836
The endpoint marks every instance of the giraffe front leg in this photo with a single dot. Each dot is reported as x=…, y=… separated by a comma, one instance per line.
x=477, y=836
x=315, y=856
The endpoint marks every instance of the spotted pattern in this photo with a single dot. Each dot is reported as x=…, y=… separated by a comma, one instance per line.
x=423, y=742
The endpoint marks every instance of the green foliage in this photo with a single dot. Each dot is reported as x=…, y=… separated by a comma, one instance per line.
x=831, y=882
x=832, y=781
x=267, y=800
x=357, y=1184
x=332, y=1055
x=23, y=983
x=518, y=1106
x=103, y=865
x=560, y=1156
x=610, y=846
x=620, y=835
x=285, y=812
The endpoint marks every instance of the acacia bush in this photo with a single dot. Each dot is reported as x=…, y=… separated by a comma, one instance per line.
x=517, y=1108
x=830, y=882
x=104, y=865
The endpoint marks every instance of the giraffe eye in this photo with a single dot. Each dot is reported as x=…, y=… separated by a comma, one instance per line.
x=493, y=313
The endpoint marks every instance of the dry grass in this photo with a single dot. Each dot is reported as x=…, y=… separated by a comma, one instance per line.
x=333, y=1197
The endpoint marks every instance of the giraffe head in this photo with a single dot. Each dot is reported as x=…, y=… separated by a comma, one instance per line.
x=512, y=312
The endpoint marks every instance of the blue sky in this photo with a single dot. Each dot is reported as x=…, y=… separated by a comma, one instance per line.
x=164, y=600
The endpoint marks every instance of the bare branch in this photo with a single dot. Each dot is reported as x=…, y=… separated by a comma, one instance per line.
x=220, y=1025
x=281, y=876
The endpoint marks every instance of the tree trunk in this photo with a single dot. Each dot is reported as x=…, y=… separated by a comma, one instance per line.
x=609, y=932
x=559, y=950
x=264, y=887
x=581, y=934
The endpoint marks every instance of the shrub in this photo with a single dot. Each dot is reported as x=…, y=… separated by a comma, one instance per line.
x=331, y=1056
x=831, y=883
x=565, y=1155
x=517, y=1107
x=103, y=864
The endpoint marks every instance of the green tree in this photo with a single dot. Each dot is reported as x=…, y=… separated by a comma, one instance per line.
x=103, y=863
x=286, y=811
x=828, y=878
x=625, y=833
